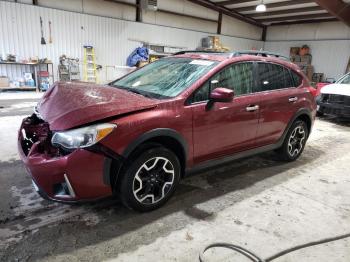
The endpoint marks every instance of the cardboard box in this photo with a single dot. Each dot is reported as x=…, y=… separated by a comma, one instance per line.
x=306, y=59
x=294, y=51
x=4, y=81
x=309, y=72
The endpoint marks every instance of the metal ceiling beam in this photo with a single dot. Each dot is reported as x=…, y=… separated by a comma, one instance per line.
x=338, y=8
x=233, y=2
x=305, y=21
x=226, y=11
x=137, y=6
x=295, y=17
x=274, y=5
x=288, y=11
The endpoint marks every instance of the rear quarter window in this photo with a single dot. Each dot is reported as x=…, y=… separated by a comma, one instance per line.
x=296, y=79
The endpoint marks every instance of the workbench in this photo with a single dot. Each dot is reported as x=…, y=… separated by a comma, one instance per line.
x=34, y=68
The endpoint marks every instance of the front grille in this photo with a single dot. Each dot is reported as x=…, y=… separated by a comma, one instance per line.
x=335, y=99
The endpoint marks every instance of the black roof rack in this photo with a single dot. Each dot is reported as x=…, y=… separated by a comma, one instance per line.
x=237, y=53
x=259, y=53
x=199, y=51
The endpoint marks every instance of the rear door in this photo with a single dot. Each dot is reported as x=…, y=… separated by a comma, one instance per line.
x=279, y=101
x=227, y=127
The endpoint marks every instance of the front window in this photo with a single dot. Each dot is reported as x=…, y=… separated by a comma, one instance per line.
x=238, y=77
x=345, y=80
x=165, y=78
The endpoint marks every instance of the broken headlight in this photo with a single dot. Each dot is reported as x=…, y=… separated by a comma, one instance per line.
x=82, y=137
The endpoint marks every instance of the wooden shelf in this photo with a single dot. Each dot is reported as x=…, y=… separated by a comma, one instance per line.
x=21, y=88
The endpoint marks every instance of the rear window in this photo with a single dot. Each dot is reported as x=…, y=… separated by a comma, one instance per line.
x=272, y=77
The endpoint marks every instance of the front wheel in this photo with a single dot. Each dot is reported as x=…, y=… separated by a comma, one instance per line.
x=150, y=179
x=294, y=141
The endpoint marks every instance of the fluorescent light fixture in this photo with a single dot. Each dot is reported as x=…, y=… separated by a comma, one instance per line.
x=261, y=7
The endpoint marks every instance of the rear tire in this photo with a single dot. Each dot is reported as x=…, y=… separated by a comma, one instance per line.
x=149, y=179
x=294, y=142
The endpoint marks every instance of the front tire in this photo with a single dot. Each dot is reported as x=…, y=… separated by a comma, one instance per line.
x=294, y=142
x=149, y=179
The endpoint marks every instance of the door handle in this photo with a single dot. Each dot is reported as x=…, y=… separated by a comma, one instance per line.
x=252, y=108
x=293, y=99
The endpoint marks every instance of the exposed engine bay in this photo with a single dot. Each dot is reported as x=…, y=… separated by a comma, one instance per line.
x=36, y=131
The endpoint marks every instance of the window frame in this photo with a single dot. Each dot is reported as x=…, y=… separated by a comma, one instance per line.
x=254, y=88
x=299, y=75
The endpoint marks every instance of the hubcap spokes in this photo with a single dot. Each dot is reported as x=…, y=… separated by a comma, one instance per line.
x=296, y=141
x=153, y=180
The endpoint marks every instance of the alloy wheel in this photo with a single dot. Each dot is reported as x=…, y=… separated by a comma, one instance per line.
x=153, y=180
x=296, y=141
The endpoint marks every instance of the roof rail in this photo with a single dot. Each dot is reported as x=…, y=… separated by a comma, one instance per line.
x=198, y=51
x=259, y=53
x=237, y=53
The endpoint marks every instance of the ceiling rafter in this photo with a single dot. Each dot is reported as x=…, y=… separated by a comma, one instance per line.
x=288, y=11
x=274, y=5
x=338, y=8
x=308, y=21
x=295, y=17
x=233, y=2
x=226, y=11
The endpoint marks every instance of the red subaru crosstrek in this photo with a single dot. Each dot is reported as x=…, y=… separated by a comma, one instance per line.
x=139, y=135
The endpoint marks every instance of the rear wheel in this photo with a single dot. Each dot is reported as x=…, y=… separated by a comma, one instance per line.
x=294, y=141
x=149, y=179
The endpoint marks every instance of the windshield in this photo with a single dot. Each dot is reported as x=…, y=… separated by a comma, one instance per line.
x=165, y=78
x=344, y=80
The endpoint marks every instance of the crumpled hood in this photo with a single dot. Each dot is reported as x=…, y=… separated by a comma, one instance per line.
x=68, y=105
x=336, y=89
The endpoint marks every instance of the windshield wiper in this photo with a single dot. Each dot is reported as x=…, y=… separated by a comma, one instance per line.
x=137, y=92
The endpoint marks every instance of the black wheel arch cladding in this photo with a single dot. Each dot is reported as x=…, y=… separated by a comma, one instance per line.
x=155, y=134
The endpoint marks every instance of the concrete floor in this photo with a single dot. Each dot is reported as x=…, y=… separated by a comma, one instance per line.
x=260, y=203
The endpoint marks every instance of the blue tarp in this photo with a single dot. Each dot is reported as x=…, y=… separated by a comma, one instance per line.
x=139, y=54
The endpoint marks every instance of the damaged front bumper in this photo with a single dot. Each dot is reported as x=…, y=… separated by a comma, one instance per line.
x=334, y=104
x=58, y=175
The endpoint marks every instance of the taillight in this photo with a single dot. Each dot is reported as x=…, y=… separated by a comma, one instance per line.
x=313, y=91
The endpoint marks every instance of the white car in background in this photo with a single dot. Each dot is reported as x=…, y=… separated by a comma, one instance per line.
x=335, y=98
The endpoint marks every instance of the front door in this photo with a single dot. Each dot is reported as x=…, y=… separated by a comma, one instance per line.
x=226, y=128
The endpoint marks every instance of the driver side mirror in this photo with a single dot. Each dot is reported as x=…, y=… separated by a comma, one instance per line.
x=220, y=94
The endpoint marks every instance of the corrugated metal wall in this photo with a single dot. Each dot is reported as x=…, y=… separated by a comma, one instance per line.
x=329, y=43
x=113, y=39
x=329, y=57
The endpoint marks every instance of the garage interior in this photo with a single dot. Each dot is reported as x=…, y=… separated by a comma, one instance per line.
x=258, y=203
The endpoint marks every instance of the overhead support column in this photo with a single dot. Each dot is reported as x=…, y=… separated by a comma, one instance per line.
x=219, y=24
x=263, y=34
x=138, y=11
x=338, y=8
